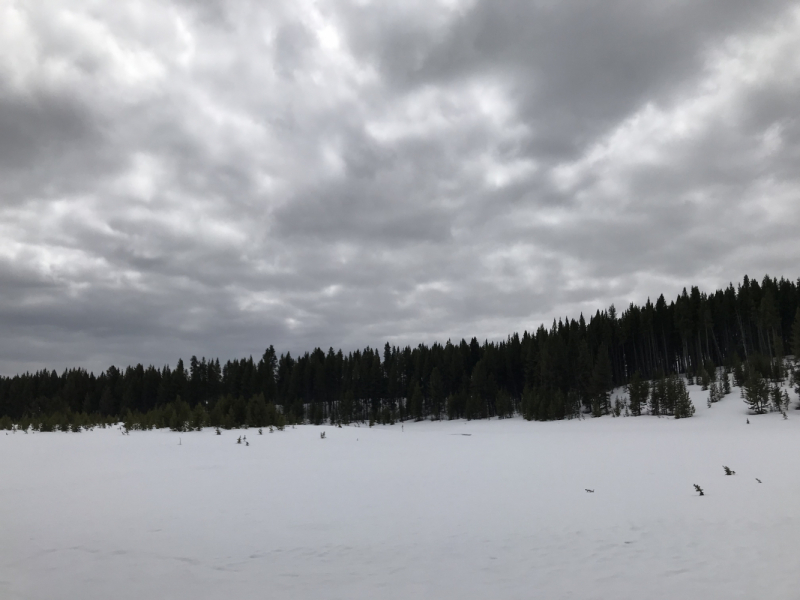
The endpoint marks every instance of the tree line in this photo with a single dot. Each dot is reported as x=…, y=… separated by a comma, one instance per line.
x=554, y=372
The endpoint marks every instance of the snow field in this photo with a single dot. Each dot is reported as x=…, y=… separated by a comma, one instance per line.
x=422, y=512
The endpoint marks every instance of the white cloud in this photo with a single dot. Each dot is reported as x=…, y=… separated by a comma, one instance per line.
x=209, y=178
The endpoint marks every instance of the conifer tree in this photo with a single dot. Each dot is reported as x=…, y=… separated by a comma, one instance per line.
x=436, y=391
x=638, y=392
x=658, y=395
x=415, y=402
x=779, y=399
x=528, y=404
x=756, y=391
x=584, y=374
x=503, y=405
x=199, y=417
x=572, y=405
x=602, y=379
x=556, y=412
x=726, y=384
x=796, y=336
x=257, y=411
x=683, y=402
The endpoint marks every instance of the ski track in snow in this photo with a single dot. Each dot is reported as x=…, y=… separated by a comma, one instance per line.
x=378, y=512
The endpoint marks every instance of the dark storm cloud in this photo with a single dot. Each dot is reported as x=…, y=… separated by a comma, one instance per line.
x=210, y=178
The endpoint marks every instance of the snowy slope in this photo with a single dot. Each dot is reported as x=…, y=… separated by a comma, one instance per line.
x=418, y=512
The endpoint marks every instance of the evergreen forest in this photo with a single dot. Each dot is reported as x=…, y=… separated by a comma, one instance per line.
x=559, y=372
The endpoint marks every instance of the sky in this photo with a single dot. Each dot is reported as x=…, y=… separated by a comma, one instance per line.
x=213, y=177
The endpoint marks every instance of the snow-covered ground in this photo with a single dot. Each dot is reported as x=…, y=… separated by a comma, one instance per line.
x=482, y=509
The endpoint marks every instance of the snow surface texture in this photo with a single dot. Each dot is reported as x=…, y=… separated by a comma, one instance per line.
x=422, y=513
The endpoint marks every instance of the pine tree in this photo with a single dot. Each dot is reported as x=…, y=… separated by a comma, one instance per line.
x=779, y=399
x=638, y=392
x=756, y=391
x=436, y=391
x=528, y=404
x=181, y=416
x=617, y=410
x=199, y=417
x=602, y=379
x=597, y=408
x=415, y=403
x=658, y=395
x=796, y=348
x=726, y=384
x=257, y=411
x=714, y=393
x=796, y=336
x=503, y=405
x=572, y=405
x=683, y=402
x=584, y=374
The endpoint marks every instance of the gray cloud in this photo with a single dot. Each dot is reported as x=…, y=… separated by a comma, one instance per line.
x=211, y=178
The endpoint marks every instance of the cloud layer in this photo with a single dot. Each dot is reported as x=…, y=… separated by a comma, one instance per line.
x=185, y=178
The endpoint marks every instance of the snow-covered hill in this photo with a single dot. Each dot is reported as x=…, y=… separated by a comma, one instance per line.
x=481, y=509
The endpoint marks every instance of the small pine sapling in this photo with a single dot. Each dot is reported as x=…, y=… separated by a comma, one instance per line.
x=728, y=471
x=218, y=431
x=322, y=435
x=260, y=432
x=714, y=394
x=239, y=441
x=698, y=489
x=726, y=385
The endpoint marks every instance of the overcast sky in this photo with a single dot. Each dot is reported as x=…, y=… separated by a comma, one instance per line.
x=211, y=177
